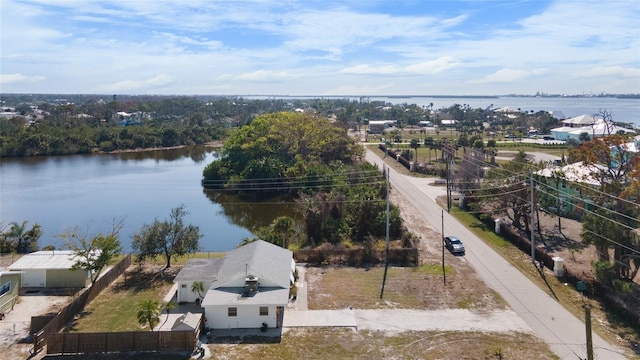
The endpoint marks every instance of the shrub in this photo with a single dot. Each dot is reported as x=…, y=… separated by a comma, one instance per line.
x=264, y=327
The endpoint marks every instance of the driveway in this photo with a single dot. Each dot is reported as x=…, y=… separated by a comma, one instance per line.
x=549, y=320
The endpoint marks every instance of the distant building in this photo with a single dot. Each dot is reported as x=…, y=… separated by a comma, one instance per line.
x=448, y=123
x=378, y=126
x=594, y=127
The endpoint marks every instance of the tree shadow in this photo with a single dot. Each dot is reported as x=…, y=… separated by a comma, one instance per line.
x=140, y=278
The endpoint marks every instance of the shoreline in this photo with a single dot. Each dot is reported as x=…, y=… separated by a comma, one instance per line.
x=211, y=144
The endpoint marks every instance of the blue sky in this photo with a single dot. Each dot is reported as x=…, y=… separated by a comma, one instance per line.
x=359, y=47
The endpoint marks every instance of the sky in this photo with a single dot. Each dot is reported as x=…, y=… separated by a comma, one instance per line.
x=315, y=47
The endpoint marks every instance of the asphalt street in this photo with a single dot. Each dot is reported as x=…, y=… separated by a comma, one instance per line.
x=548, y=319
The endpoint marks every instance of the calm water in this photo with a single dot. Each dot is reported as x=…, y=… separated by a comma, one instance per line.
x=90, y=190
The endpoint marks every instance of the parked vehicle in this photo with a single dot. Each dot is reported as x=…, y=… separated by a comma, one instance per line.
x=510, y=136
x=454, y=245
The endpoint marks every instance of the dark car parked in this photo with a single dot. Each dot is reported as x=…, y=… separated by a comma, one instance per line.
x=454, y=245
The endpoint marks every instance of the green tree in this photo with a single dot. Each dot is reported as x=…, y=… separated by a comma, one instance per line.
x=23, y=240
x=148, y=313
x=170, y=238
x=282, y=231
x=506, y=190
x=94, y=253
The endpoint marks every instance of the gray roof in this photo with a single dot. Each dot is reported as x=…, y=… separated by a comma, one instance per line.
x=57, y=259
x=233, y=296
x=259, y=258
x=200, y=270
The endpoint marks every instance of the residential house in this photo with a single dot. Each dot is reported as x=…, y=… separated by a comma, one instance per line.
x=50, y=269
x=9, y=288
x=570, y=198
x=251, y=287
x=594, y=127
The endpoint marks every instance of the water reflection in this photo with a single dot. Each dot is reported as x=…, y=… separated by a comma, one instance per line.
x=196, y=153
x=253, y=215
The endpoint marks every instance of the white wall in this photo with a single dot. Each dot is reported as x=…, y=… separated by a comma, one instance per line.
x=34, y=278
x=186, y=295
x=248, y=317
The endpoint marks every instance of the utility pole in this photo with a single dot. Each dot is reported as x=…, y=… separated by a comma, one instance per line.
x=533, y=240
x=444, y=274
x=448, y=191
x=386, y=262
x=587, y=322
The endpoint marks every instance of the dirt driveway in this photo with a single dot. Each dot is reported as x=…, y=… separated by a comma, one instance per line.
x=14, y=328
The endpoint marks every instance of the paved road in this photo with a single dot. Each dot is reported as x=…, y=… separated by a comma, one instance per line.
x=564, y=333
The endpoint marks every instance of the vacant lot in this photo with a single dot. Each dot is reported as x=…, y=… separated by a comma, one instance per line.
x=406, y=288
x=326, y=343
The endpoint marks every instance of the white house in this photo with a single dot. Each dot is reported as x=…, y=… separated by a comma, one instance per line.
x=50, y=269
x=251, y=287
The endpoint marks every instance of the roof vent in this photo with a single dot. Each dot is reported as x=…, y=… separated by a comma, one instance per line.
x=251, y=285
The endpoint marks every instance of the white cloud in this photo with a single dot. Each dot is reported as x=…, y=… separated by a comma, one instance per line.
x=259, y=75
x=19, y=78
x=509, y=76
x=424, y=68
x=611, y=71
x=133, y=86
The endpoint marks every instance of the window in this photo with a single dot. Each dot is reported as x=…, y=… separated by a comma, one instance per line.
x=5, y=288
x=232, y=311
x=264, y=310
x=184, y=286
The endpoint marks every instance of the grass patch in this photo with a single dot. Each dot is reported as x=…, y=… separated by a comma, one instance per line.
x=115, y=309
x=433, y=269
x=327, y=343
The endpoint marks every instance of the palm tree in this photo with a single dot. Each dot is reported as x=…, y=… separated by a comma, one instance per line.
x=415, y=145
x=148, y=313
x=23, y=240
x=197, y=287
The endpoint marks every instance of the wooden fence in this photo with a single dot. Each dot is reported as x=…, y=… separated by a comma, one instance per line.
x=110, y=342
x=68, y=313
